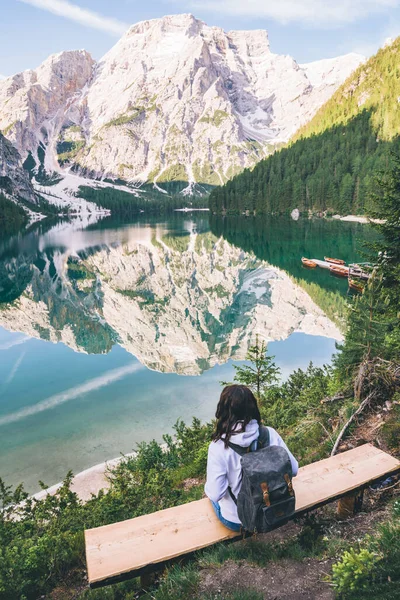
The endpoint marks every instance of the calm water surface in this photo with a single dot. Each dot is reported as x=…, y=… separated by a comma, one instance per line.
x=111, y=332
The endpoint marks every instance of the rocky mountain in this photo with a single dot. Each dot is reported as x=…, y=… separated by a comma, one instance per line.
x=173, y=100
x=14, y=179
x=178, y=303
x=15, y=190
x=33, y=104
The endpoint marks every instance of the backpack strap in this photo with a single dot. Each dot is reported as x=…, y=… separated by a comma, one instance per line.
x=263, y=438
x=239, y=449
x=232, y=495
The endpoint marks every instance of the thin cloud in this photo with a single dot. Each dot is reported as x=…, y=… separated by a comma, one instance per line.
x=310, y=12
x=3, y=76
x=14, y=342
x=71, y=394
x=89, y=18
x=15, y=368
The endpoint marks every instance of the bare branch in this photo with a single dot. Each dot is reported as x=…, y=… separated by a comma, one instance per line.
x=366, y=402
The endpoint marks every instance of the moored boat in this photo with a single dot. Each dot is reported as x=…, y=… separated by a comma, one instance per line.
x=338, y=270
x=356, y=285
x=357, y=271
x=308, y=263
x=335, y=261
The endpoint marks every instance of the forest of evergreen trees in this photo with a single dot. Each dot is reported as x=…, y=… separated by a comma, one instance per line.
x=12, y=216
x=332, y=171
x=123, y=203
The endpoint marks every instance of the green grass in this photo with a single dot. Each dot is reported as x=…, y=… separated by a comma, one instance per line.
x=79, y=271
x=180, y=583
x=215, y=119
x=68, y=150
x=204, y=173
x=179, y=243
x=175, y=172
x=8, y=128
x=125, y=118
x=254, y=551
x=219, y=290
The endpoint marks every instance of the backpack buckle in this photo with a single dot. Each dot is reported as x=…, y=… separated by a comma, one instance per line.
x=289, y=484
x=265, y=492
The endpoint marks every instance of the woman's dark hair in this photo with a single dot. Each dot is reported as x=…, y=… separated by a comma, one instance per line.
x=237, y=404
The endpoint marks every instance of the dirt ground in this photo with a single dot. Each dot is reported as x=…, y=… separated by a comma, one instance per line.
x=291, y=579
x=277, y=581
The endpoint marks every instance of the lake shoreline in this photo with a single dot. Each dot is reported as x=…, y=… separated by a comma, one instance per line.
x=87, y=482
x=356, y=219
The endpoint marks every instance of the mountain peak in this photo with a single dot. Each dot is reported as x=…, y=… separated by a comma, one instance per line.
x=167, y=24
x=173, y=100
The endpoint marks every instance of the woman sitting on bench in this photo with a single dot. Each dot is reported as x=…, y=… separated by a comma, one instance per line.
x=238, y=422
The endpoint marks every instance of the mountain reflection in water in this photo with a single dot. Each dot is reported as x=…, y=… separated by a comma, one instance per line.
x=175, y=295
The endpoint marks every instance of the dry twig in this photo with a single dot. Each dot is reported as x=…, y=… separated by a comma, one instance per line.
x=366, y=402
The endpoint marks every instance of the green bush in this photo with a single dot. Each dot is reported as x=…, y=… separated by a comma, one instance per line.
x=353, y=571
x=372, y=570
x=391, y=429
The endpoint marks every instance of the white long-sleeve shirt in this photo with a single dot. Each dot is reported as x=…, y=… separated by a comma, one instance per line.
x=224, y=469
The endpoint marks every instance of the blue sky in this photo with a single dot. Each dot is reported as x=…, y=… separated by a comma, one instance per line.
x=31, y=30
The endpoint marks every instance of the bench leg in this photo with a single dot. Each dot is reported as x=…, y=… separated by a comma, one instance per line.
x=359, y=502
x=147, y=580
x=350, y=505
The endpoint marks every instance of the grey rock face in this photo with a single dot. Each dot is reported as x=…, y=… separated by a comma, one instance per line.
x=33, y=104
x=14, y=180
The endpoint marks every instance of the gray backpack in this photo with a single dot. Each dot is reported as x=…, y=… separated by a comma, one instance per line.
x=266, y=498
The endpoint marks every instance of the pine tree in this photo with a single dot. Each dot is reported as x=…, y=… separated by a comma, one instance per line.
x=261, y=373
x=386, y=208
x=367, y=326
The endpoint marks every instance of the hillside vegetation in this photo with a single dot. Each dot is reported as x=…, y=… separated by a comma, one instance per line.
x=12, y=216
x=329, y=165
x=125, y=204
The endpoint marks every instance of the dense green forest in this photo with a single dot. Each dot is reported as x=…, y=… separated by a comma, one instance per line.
x=12, y=216
x=329, y=165
x=123, y=203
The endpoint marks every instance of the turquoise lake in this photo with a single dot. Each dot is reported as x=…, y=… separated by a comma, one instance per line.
x=111, y=332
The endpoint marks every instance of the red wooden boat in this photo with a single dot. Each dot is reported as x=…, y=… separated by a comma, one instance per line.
x=356, y=285
x=308, y=263
x=335, y=261
x=339, y=271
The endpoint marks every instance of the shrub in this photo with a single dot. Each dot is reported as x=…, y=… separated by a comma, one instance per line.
x=354, y=569
x=373, y=570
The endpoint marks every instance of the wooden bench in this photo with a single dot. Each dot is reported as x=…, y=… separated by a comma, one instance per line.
x=142, y=545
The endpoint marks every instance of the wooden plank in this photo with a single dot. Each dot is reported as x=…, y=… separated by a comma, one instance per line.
x=128, y=548
x=338, y=475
